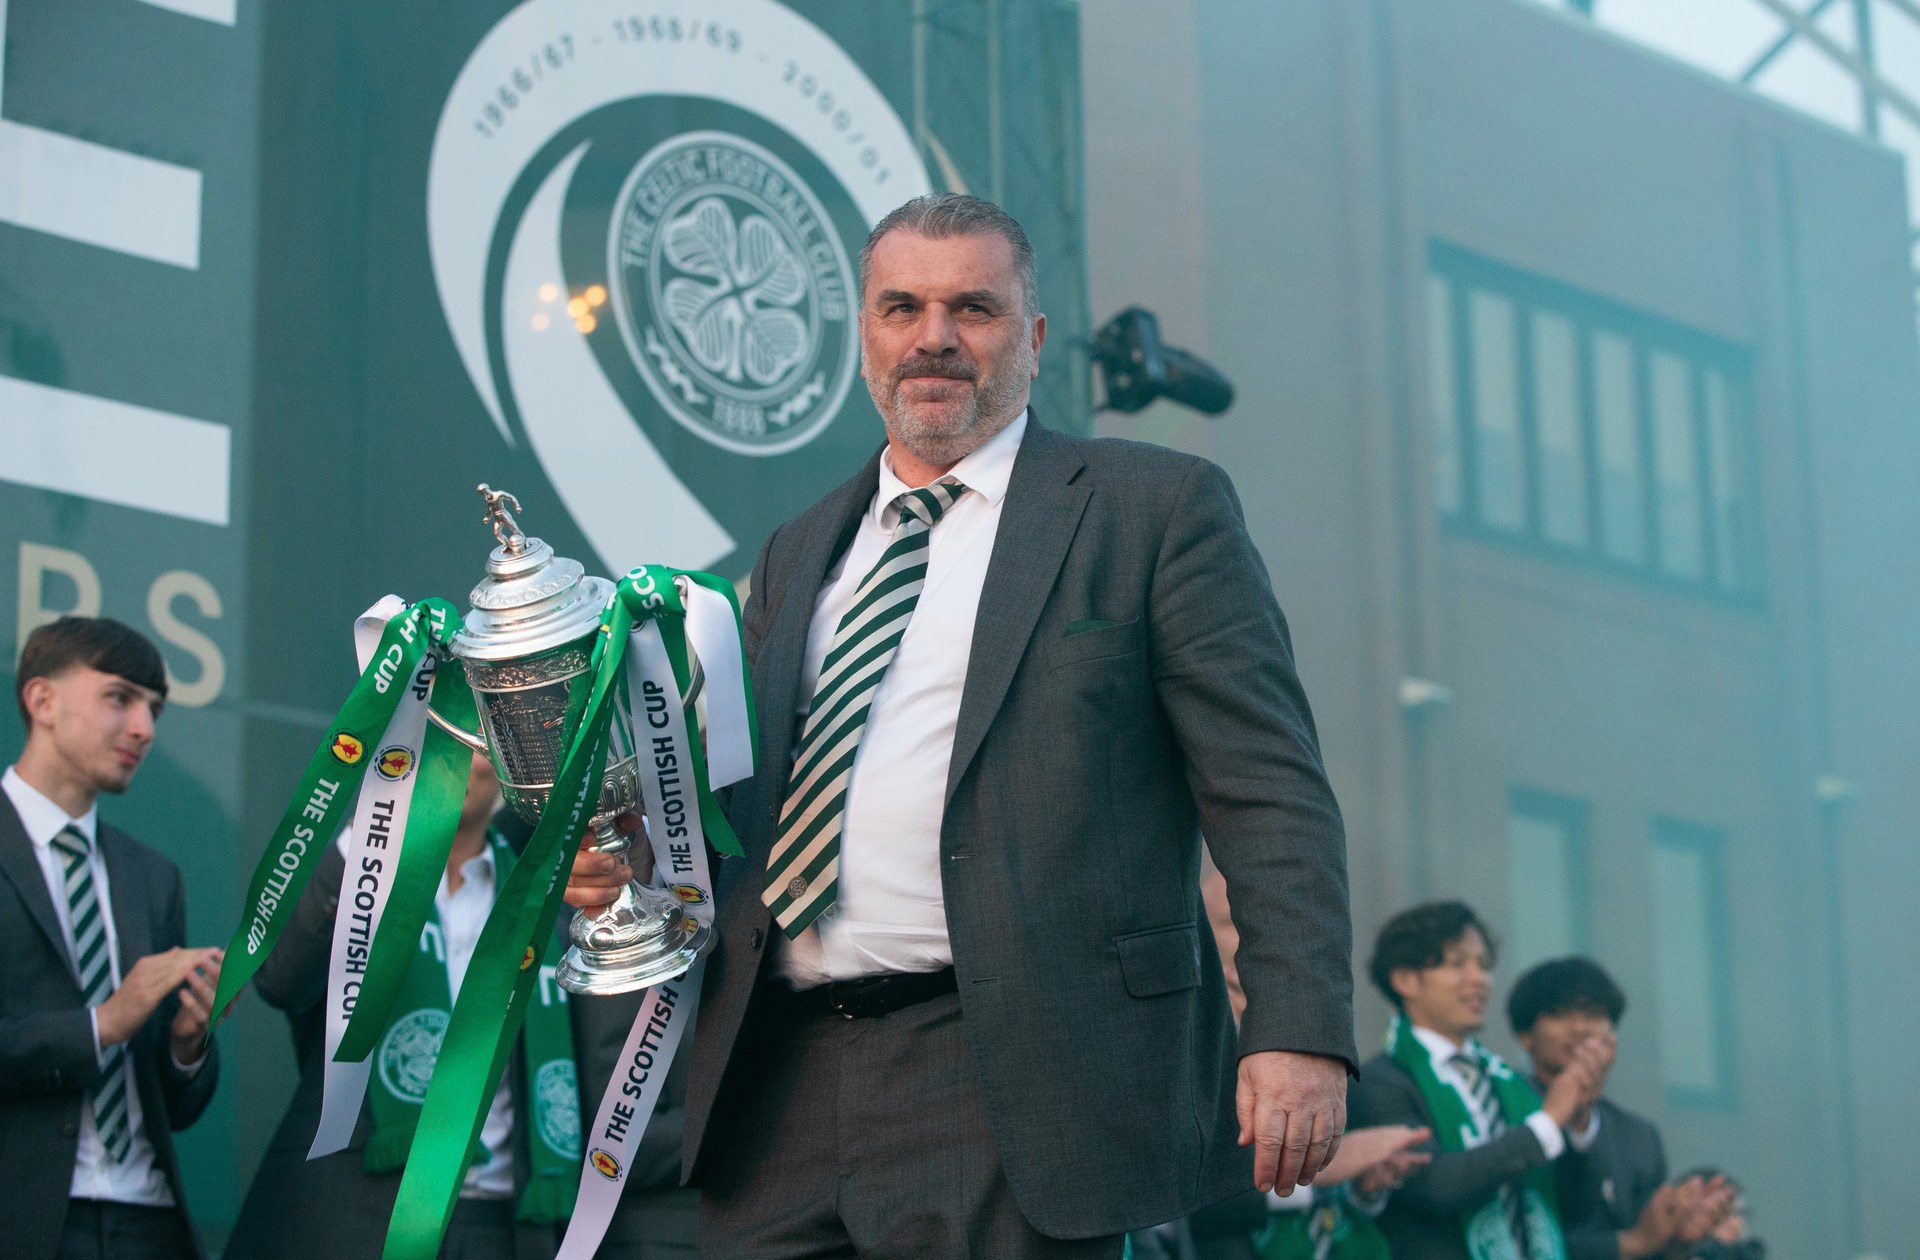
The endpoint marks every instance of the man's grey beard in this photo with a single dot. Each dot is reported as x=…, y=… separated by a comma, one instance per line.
x=994, y=408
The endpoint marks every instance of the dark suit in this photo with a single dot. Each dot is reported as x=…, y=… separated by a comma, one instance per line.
x=331, y=1208
x=1604, y=1189
x=47, y=1059
x=1424, y=1218
x=1085, y=766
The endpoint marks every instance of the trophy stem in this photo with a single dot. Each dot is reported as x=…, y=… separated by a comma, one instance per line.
x=643, y=937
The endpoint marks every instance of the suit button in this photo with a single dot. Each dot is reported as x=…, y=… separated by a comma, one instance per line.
x=69, y=1129
x=754, y=938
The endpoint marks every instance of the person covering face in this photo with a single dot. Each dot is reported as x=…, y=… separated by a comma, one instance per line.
x=964, y=1001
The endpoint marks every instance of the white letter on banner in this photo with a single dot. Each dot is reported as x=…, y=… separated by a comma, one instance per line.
x=372, y=848
x=634, y=1090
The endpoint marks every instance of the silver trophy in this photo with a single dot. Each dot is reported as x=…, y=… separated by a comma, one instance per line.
x=527, y=644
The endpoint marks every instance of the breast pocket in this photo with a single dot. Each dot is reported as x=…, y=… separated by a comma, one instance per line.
x=1123, y=638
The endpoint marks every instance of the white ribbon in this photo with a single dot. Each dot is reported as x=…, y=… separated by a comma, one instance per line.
x=680, y=862
x=372, y=848
x=713, y=631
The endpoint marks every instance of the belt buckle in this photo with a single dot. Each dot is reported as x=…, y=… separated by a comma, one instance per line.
x=835, y=999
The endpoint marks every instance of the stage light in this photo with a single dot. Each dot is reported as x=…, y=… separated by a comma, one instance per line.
x=1136, y=367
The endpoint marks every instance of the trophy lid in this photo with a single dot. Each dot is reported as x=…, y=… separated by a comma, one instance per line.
x=531, y=600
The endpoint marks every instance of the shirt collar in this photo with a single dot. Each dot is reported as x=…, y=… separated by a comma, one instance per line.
x=40, y=816
x=986, y=472
x=475, y=870
x=1442, y=1050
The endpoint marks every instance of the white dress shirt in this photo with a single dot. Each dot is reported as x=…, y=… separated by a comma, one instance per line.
x=138, y=1178
x=889, y=913
x=1441, y=1050
x=462, y=915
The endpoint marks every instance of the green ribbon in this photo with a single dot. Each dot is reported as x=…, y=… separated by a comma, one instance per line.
x=324, y=798
x=501, y=977
x=432, y=818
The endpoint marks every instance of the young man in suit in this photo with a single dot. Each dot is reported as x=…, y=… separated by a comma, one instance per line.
x=963, y=1000
x=519, y=1189
x=1615, y=1201
x=1488, y=1191
x=104, y=1010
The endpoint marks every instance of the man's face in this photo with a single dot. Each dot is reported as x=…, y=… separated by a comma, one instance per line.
x=1451, y=997
x=483, y=793
x=1551, y=1041
x=98, y=726
x=946, y=348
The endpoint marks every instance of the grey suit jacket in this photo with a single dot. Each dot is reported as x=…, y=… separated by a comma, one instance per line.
x=47, y=1059
x=1604, y=1189
x=1423, y=1219
x=1085, y=766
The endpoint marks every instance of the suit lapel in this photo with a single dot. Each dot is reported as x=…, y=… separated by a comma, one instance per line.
x=18, y=864
x=1038, y=520
x=830, y=526
x=132, y=924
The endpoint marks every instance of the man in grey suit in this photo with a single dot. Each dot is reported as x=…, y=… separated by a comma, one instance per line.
x=103, y=1009
x=964, y=1002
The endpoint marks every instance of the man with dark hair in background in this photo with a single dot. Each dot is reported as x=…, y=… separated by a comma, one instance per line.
x=104, y=1011
x=1614, y=1196
x=520, y=1186
x=1488, y=1192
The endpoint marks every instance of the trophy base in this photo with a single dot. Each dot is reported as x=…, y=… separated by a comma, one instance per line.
x=623, y=969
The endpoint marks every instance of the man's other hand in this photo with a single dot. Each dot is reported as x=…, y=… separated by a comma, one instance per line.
x=1579, y=1084
x=1293, y=1111
x=189, y=1031
x=146, y=984
x=597, y=878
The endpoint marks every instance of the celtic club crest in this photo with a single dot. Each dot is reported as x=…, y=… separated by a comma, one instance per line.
x=556, y=1109
x=733, y=292
x=408, y=1051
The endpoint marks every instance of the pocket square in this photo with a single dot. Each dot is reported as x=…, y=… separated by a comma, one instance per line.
x=1081, y=627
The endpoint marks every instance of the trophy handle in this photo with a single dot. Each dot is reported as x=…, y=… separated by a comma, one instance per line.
x=476, y=742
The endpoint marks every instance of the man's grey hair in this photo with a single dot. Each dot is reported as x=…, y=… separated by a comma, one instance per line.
x=941, y=215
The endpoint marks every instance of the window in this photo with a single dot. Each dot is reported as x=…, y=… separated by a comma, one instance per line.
x=1622, y=521
x=1546, y=878
x=1501, y=464
x=1692, y=999
x=1598, y=432
x=1442, y=384
x=1556, y=409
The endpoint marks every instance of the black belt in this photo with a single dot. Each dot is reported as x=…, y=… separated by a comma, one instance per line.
x=865, y=998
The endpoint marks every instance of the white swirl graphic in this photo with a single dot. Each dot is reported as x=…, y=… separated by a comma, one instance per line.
x=549, y=63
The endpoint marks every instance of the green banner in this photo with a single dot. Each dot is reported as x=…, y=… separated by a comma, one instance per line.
x=324, y=798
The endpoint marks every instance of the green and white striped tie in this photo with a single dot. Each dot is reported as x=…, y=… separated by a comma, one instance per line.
x=94, y=966
x=803, y=871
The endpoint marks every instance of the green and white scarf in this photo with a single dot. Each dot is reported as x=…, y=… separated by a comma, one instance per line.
x=1488, y=1235
x=1329, y=1230
x=404, y=1061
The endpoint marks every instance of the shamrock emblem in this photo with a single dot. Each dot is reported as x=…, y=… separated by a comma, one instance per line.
x=741, y=324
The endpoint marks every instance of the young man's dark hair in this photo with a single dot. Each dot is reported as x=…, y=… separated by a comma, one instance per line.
x=1562, y=986
x=1418, y=938
x=101, y=643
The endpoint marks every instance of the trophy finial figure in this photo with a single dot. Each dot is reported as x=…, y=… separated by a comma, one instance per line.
x=505, y=528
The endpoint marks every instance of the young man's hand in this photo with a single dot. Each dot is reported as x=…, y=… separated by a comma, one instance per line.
x=144, y=987
x=189, y=1031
